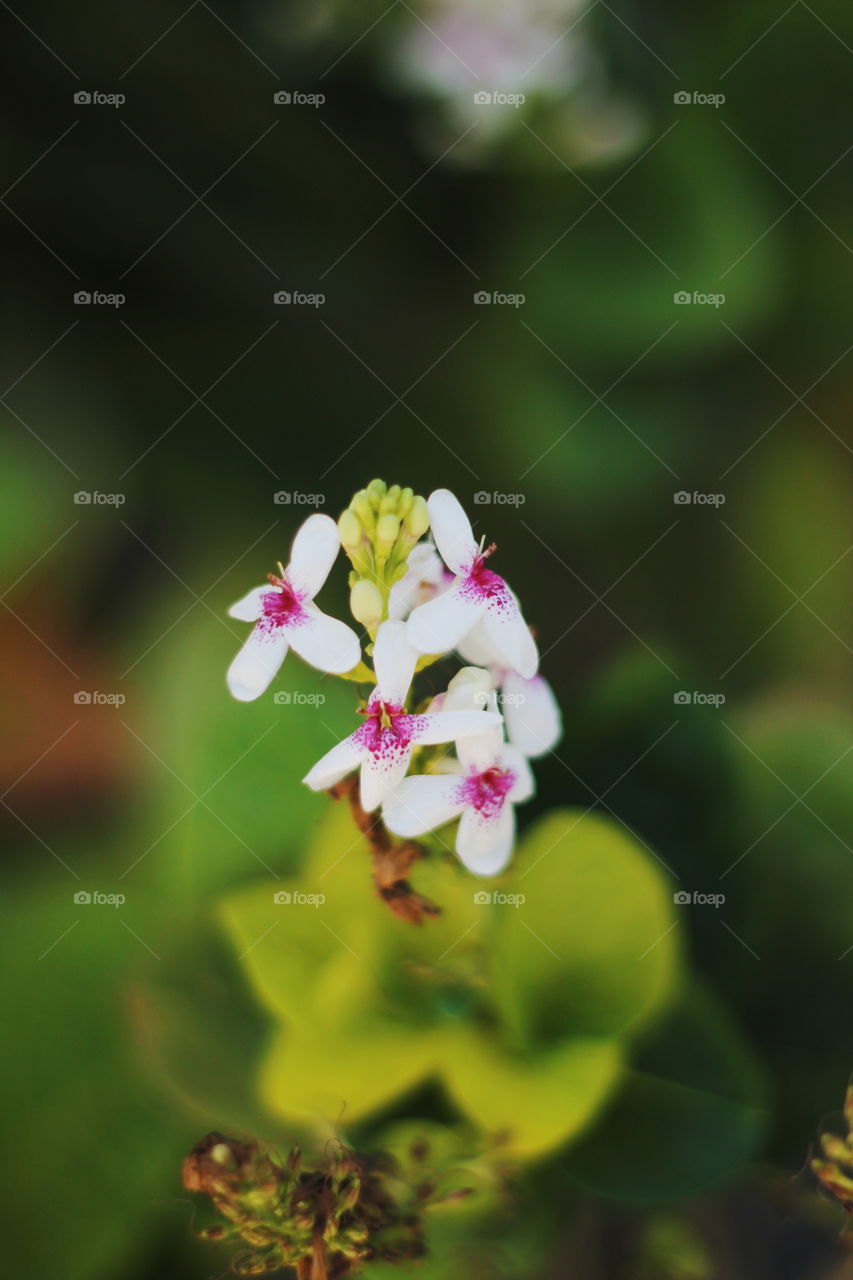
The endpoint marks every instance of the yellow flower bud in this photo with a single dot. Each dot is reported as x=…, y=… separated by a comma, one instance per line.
x=376, y=492
x=350, y=530
x=387, y=531
x=417, y=520
x=389, y=502
x=404, y=503
x=366, y=604
x=363, y=509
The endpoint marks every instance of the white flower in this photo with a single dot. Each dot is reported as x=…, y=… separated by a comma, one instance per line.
x=285, y=616
x=531, y=713
x=494, y=778
x=476, y=592
x=382, y=746
x=425, y=578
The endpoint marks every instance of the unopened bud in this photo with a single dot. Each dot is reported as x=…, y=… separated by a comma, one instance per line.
x=389, y=502
x=417, y=520
x=405, y=502
x=387, y=531
x=350, y=530
x=376, y=492
x=366, y=604
x=362, y=507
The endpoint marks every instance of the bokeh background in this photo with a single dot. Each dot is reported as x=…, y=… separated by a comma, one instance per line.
x=581, y=400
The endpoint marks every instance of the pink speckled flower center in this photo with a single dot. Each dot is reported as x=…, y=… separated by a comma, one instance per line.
x=487, y=791
x=482, y=584
x=283, y=607
x=387, y=730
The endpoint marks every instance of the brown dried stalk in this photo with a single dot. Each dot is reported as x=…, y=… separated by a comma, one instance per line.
x=391, y=862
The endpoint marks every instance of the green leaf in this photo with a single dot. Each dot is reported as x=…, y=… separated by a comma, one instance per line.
x=591, y=951
x=526, y=1039
x=535, y=1104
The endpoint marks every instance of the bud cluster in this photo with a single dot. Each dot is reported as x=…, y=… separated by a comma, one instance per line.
x=323, y=1221
x=378, y=531
x=834, y=1170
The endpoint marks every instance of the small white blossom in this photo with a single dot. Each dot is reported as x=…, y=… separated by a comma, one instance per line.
x=382, y=746
x=493, y=777
x=286, y=616
x=475, y=593
x=531, y=713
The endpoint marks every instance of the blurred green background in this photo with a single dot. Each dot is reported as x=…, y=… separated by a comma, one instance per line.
x=579, y=412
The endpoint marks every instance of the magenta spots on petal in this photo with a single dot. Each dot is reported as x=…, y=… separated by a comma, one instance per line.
x=387, y=732
x=486, y=791
x=282, y=607
x=481, y=584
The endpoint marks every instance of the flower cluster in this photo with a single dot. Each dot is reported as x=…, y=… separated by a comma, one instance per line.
x=422, y=587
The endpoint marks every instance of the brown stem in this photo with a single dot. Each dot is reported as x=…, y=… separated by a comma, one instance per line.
x=391, y=862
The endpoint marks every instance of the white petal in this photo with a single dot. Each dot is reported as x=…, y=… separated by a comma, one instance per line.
x=469, y=690
x=439, y=625
x=450, y=726
x=483, y=750
x=394, y=661
x=249, y=609
x=477, y=649
x=485, y=844
x=422, y=803
x=510, y=636
x=451, y=530
x=313, y=553
x=335, y=764
x=533, y=721
x=329, y=645
x=381, y=775
x=257, y=663
x=524, y=786
x=424, y=578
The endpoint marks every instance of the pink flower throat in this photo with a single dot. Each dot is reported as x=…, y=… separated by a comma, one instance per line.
x=483, y=583
x=387, y=728
x=282, y=607
x=487, y=791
